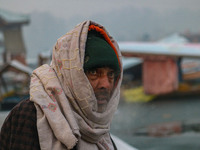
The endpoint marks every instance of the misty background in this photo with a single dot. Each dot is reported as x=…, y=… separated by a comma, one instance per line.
x=127, y=20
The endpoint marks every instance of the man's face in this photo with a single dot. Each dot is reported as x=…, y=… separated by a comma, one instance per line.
x=102, y=81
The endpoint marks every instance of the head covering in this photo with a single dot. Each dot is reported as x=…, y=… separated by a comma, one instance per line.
x=99, y=53
x=65, y=101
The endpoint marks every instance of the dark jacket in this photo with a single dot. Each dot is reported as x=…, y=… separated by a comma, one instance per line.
x=19, y=130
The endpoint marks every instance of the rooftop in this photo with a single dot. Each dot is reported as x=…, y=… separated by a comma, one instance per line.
x=8, y=17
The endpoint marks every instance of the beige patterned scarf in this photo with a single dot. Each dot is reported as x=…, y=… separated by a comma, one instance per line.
x=65, y=101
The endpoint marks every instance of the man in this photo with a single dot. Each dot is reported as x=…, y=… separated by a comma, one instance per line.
x=72, y=101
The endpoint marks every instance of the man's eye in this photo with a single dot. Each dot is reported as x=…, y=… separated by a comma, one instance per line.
x=111, y=75
x=92, y=72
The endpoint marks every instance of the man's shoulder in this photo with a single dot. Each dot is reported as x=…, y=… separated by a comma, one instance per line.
x=24, y=108
x=25, y=104
x=23, y=115
x=19, y=130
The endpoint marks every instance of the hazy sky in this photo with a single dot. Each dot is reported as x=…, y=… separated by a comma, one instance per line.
x=68, y=8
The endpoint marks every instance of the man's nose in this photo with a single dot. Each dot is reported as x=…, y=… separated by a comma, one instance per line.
x=104, y=82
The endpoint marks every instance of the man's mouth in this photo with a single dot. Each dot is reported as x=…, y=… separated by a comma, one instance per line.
x=102, y=97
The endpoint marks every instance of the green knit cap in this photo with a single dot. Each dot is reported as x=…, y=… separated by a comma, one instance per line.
x=98, y=53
